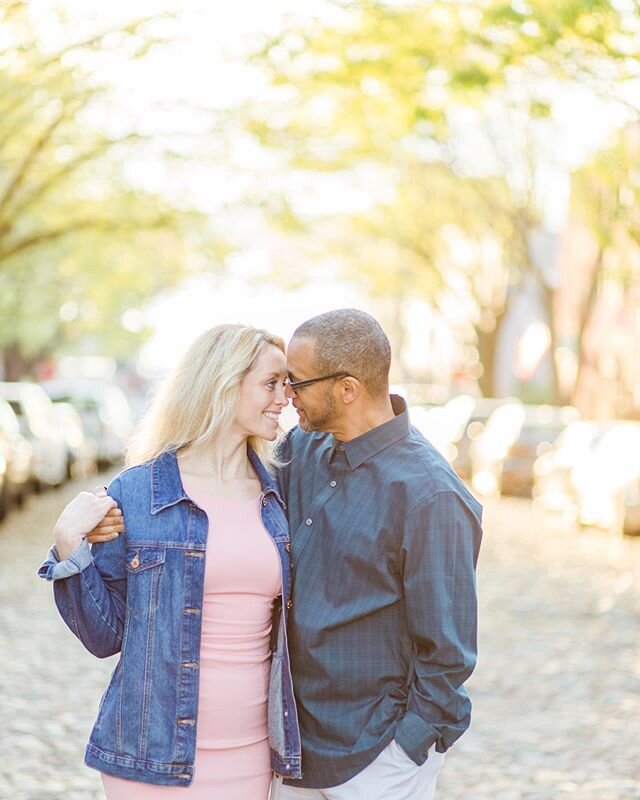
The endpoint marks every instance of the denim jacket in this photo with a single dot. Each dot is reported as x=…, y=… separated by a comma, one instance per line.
x=142, y=595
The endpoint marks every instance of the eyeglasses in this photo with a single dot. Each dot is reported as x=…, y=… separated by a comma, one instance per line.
x=295, y=385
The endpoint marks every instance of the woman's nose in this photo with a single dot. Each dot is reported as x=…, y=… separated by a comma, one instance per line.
x=282, y=398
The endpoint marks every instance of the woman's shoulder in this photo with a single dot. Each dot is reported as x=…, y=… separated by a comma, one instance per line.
x=134, y=477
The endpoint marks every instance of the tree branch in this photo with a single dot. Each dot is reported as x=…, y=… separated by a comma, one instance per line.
x=36, y=148
x=55, y=178
x=161, y=220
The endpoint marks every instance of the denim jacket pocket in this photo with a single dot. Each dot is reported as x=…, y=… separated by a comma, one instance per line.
x=144, y=567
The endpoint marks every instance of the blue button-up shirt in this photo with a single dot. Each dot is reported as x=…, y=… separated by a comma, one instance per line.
x=385, y=540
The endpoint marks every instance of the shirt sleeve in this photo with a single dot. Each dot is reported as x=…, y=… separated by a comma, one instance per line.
x=440, y=548
x=90, y=589
x=55, y=569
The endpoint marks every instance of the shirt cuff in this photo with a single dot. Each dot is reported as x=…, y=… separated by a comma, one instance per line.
x=415, y=737
x=53, y=569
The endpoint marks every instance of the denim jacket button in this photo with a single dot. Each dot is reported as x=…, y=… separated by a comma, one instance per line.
x=289, y=603
x=287, y=547
x=135, y=562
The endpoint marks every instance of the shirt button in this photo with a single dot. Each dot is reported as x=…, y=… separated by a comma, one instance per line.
x=264, y=501
x=333, y=483
x=309, y=521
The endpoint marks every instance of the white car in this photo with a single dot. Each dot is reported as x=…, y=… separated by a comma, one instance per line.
x=34, y=411
x=605, y=475
x=103, y=409
x=81, y=450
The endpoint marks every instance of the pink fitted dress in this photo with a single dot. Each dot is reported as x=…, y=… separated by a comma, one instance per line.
x=242, y=578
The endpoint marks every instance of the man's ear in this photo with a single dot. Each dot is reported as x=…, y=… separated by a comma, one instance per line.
x=351, y=389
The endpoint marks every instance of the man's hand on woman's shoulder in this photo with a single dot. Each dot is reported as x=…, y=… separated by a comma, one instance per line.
x=91, y=516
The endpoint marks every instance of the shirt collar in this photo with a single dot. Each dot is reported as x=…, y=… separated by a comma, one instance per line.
x=369, y=444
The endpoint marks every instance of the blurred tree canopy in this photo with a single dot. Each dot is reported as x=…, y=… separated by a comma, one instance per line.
x=416, y=90
x=78, y=244
x=606, y=206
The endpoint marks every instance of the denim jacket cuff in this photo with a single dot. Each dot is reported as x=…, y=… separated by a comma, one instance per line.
x=415, y=737
x=53, y=569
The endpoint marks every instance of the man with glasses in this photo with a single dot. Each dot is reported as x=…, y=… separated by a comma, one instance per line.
x=384, y=540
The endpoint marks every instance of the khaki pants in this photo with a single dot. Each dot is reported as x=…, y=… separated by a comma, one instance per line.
x=392, y=776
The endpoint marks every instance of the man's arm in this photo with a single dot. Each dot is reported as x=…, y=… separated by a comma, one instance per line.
x=440, y=547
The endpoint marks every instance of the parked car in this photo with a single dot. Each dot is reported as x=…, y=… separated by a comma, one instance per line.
x=81, y=450
x=16, y=455
x=503, y=455
x=631, y=509
x=541, y=427
x=472, y=428
x=553, y=488
x=34, y=411
x=443, y=425
x=104, y=410
x=604, y=479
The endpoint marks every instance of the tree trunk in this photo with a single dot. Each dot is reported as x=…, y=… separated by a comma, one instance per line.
x=16, y=365
x=585, y=318
x=488, y=337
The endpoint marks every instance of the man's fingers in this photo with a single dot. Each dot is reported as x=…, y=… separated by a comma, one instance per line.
x=108, y=524
x=113, y=513
x=104, y=527
x=94, y=538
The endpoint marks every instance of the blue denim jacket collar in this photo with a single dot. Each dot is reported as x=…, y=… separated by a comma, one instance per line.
x=167, y=488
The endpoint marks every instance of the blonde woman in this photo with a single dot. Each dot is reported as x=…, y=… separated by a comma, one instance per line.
x=200, y=703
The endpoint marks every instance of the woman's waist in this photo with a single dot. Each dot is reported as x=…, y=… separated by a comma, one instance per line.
x=241, y=649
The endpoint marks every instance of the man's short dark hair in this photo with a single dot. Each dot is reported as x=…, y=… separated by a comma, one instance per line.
x=351, y=341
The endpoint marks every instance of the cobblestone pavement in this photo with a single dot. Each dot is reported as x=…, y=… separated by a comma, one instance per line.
x=556, y=692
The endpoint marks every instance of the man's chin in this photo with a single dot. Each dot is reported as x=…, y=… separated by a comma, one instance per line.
x=303, y=422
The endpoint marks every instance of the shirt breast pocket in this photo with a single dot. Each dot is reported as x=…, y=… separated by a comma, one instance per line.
x=144, y=569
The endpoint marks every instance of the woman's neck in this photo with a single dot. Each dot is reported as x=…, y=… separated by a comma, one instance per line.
x=219, y=460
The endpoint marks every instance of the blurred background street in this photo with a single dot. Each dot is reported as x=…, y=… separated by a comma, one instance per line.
x=466, y=171
x=556, y=692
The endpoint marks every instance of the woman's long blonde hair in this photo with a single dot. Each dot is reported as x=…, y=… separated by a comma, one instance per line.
x=199, y=397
